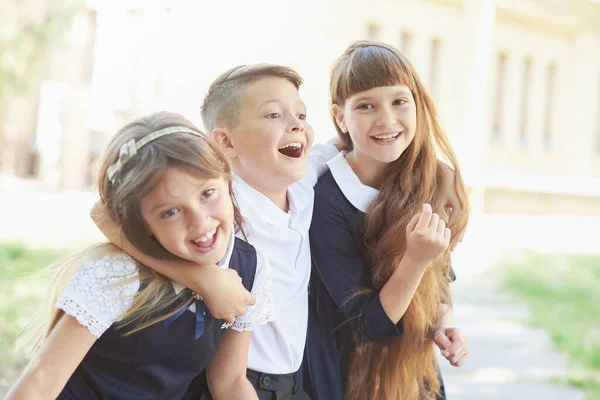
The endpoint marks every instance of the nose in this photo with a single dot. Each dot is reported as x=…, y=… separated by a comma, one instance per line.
x=385, y=117
x=296, y=124
x=197, y=218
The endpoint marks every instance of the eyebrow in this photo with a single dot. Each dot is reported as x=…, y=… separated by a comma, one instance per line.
x=276, y=101
x=158, y=206
x=399, y=92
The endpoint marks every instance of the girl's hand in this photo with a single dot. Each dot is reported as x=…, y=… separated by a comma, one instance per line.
x=426, y=237
x=224, y=294
x=453, y=344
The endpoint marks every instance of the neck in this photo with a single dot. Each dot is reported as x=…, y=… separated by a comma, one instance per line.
x=368, y=170
x=277, y=195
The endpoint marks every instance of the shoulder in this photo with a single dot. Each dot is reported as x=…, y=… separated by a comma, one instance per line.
x=101, y=289
x=244, y=247
x=108, y=261
x=329, y=196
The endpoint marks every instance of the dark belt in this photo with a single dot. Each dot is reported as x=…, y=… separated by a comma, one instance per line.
x=274, y=382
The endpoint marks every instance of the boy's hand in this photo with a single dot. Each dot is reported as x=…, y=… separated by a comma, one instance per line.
x=426, y=237
x=224, y=294
x=453, y=344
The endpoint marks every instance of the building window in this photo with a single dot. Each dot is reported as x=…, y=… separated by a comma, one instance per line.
x=524, y=120
x=434, y=66
x=373, y=31
x=498, y=118
x=406, y=39
x=549, y=107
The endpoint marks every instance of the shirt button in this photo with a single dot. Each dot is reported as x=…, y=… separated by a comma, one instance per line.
x=267, y=381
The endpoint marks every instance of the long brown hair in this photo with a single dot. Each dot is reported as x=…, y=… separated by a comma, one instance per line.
x=198, y=155
x=402, y=368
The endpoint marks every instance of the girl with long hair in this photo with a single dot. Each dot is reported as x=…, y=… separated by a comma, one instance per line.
x=387, y=215
x=116, y=329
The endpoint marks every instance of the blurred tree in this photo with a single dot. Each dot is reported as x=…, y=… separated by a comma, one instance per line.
x=29, y=31
x=26, y=38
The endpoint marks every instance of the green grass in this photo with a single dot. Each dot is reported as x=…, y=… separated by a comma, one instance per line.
x=563, y=292
x=21, y=291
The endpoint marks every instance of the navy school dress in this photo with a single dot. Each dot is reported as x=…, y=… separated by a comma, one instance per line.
x=339, y=271
x=158, y=362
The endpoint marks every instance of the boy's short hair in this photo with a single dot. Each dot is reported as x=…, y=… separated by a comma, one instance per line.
x=224, y=98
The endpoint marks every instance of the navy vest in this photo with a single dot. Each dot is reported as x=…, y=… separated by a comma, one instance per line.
x=158, y=362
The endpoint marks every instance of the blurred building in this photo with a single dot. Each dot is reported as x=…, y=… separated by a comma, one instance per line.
x=517, y=83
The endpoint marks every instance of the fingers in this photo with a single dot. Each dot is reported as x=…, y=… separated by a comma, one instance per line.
x=447, y=235
x=458, y=352
x=425, y=217
x=441, y=227
x=434, y=221
x=413, y=223
x=250, y=299
x=461, y=361
x=453, y=355
x=441, y=340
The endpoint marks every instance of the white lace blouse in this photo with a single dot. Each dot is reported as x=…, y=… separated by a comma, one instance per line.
x=103, y=288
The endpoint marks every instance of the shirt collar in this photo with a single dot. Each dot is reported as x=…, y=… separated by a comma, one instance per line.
x=357, y=193
x=223, y=264
x=297, y=197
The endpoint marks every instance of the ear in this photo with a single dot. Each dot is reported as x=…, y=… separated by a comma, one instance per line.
x=223, y=138
x=338, y=114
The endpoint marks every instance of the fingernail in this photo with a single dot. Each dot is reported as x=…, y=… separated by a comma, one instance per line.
x=426, y=207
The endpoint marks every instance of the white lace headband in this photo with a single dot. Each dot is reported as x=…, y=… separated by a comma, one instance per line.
x=131, y=148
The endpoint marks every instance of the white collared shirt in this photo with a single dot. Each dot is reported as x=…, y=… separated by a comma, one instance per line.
x=357, y=193
x=278, y=347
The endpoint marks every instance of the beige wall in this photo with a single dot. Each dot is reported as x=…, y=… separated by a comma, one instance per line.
x=170, y=57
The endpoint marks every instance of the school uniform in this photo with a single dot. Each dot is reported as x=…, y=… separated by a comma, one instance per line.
x=277, y=348
x=160, y=361
x=339, y=272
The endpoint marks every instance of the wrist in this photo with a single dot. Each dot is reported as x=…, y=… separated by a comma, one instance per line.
x=413, y=262
x=203, y=278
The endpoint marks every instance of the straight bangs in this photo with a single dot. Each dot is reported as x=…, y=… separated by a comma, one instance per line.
x=366, y=66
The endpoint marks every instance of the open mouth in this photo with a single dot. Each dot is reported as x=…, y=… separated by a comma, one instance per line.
x=205, y=242
x=292, y=150
x=386, y=138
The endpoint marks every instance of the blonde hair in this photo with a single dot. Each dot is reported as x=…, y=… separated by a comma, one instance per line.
x=225, y=96
x=196, y=154
x=402, y=368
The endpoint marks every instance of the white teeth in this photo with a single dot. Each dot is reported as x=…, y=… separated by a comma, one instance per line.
x=387, y=137
x=205, y=237
x=292, y=145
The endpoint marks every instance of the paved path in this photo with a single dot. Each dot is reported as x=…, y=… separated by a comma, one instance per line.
x=509, y=360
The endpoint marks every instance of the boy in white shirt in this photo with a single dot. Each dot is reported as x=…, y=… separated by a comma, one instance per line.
x=256, y=115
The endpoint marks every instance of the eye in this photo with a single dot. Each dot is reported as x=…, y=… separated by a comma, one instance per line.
x=274, y=116
x=365, y=106
x=399, y=102
x=208, y=193
x=302, y=117
x=169, y=213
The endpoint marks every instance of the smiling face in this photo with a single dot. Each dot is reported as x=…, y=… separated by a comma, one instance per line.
x=191, y=218
x=271, y=140
x=381, y=123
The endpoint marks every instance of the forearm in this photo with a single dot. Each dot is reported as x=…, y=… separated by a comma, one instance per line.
x=446, y=316
x=188, y=274
x=399, y=290
x=239, y=388
x=31, y=386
